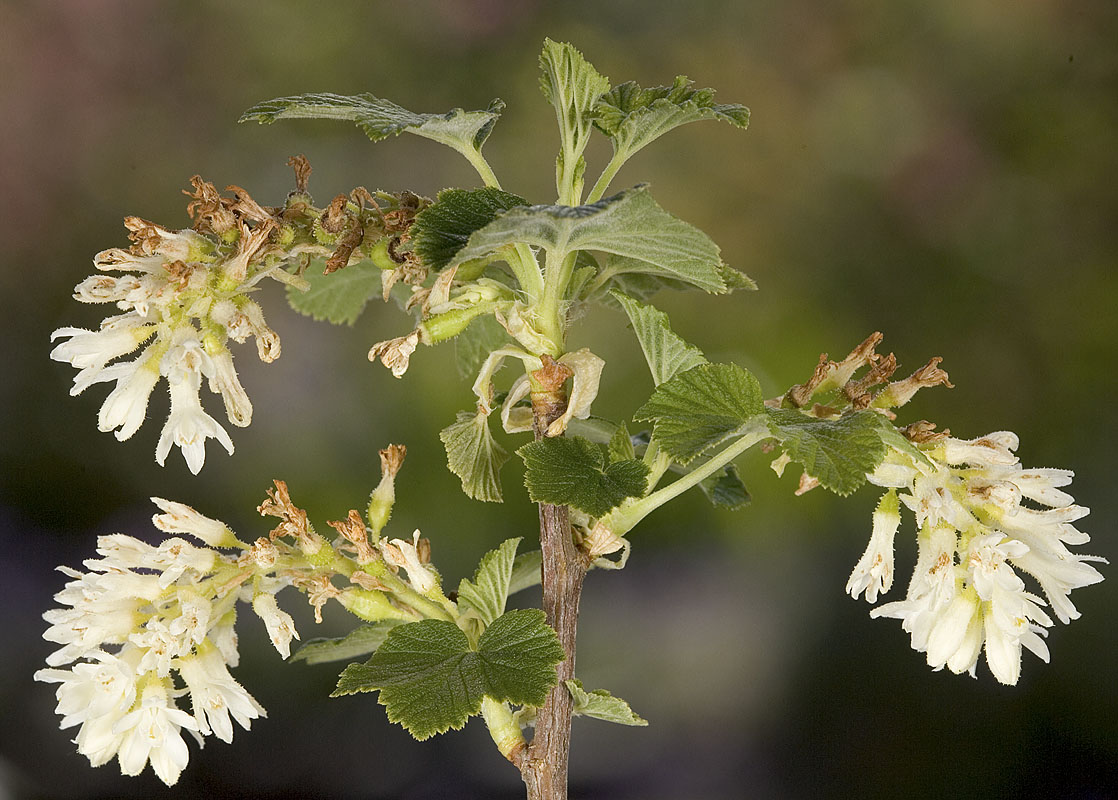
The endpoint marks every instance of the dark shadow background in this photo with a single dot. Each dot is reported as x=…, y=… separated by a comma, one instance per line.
x=944, y=173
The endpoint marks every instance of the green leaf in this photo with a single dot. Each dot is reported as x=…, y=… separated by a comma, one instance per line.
x=641, y=280
x=573, y=472
x=431, y=681
x=517, y=654
x=339, y=297
x=473, y=345
x=838, y=452
x=600, y=704
x=487, y=592
x=633, y=117
x=736, y=279
x=620, y=446
x=725, y=489
x=474, y=456
x=700, y=408
x=444, y=227
x=526, y=571
x=666, y=353
x=358, y=642
x=380, y=118
x=629, y=224
x=570, y=83
x=573, y=87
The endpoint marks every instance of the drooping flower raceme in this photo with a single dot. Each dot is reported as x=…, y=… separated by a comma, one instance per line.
x=147, y=625
x=139, y=617
x=184, y=295
x=982, y=519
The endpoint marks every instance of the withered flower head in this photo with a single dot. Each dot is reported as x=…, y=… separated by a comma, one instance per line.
x=207, y=208
x=900, y=392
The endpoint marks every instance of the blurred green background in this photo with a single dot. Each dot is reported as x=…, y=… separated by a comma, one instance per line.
x=944, y=173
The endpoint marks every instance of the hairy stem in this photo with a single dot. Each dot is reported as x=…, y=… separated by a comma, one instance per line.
x=543, y=765
x=622, y=519
x=619, y=158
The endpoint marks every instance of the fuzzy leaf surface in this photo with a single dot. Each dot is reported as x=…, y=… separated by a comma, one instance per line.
x=602, y=705
x=474, y=456
x=664, y=350
x=339, y=297
x=573, y=472
x=641, y=281
x=724, y=489
x=629, y=224
x=697, y=409
x=487, y=592
x=444, y=227
x=620, y=445
x=431, y=681
x=572, y=85
x=358, y=642
x=473, y=345
x=837, y=452
x=633, y=117
x=380, y=118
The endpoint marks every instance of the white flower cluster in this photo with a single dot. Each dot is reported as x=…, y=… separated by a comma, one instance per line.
x=147, y=625
x=185, y=297
x=975, y=534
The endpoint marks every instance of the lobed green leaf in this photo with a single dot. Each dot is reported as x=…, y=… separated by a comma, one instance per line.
x=444, y=227
x=358, y=642
x=573, y=472
x=602, y=705
x=339, y=297
x=620, y=445
x=380, y=118
x=487, y=593
x=431, y=681
x=666, y=352
x=700, y=408
x=629, y=224
x=837, y=452
x=474, y=456
x=633, y=117
x=573, y=87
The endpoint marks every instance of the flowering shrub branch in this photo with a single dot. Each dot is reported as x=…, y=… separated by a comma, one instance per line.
x=148, y=626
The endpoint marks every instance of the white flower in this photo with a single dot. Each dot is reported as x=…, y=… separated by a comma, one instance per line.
x=280, y=625
x=90, y=351
x=97, y=615
x=401, y=553
x=98, y=692
x=159, y=645
x=181, y=518
x=126, y=406
x=153, y=732
x=931, y=588
x=180, y=292
x=173, y=557
x=188, y=425
x=225, y=382
x=215, y=695
x=874, y=571
x=966, y=595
